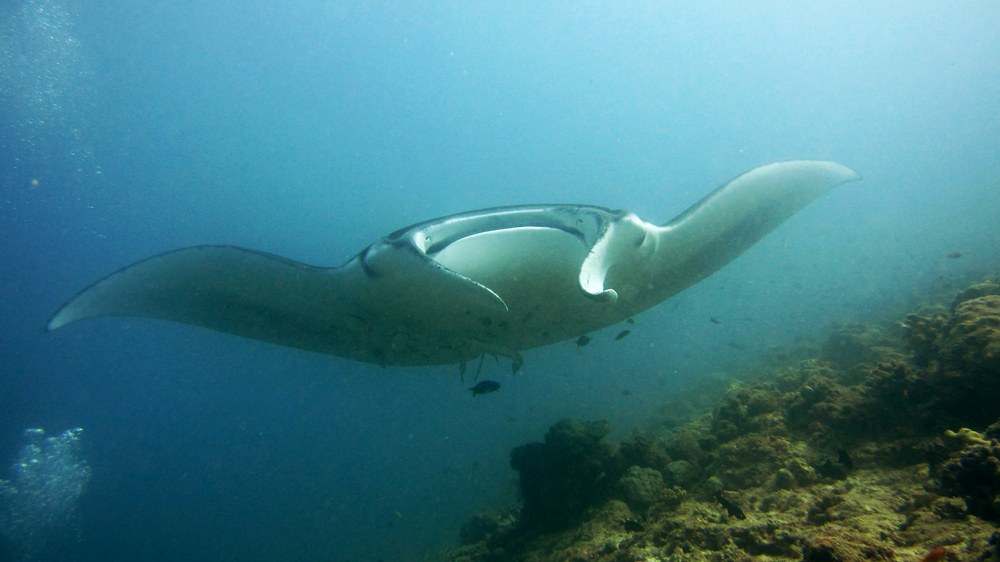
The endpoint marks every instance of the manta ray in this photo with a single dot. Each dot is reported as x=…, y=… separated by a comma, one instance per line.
x=495, y=281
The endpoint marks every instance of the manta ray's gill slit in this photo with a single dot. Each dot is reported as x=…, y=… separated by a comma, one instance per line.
x=362, y=260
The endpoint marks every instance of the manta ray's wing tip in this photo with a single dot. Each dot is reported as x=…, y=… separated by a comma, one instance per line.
x=848, y=174
x=59, y=319
x=843, y=173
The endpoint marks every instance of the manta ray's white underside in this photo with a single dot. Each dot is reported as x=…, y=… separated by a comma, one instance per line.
x=495, y=281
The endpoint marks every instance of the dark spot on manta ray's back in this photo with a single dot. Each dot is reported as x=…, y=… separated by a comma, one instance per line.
x=485, y=387
x=582, y=341
x=622, y=334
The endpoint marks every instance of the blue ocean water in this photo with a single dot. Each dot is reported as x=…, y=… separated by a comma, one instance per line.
x=132, y=128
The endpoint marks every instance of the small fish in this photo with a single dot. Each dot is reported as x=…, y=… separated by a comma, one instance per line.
x=631, y=320
x=582, y=341
x=935, y=555
x=955, y=255
x=845, y=460
x=714, y=320
x=622, y=334
x=515, y=366
x=484, y=387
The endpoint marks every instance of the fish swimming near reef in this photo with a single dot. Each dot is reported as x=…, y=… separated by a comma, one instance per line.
x=485, y=387
x=448, y=290
x=936, y=554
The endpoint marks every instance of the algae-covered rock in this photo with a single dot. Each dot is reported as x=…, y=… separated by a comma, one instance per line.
x=784, y=479
x=641, y=487
x=750, y=460
x=745, y=409
x=481, y=526
x=567, y=473
x=802, y=472
x=823, y=408
x=993, y=431
x=923, y=332
x=844, y=546
x=977, y=290
x=681, y=473
x=974, y=474
x=684, y=444
x=856, y=343
x=973, y=340
x=641, y=450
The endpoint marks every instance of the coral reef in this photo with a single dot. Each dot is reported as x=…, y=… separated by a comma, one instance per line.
x=972, y=472
x=641, y=487
x=567, y=473
x=972, y=342
x=886, y=446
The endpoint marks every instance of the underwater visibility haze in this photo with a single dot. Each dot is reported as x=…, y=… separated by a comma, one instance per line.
x=129, y=129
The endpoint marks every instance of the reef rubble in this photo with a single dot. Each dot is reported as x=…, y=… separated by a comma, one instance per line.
x=885, y=446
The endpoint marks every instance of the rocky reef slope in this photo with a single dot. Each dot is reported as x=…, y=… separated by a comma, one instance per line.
x=884, y=447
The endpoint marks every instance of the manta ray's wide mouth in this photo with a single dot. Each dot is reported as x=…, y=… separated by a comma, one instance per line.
x=435, y=236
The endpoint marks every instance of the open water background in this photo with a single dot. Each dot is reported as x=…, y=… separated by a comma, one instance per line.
x=311, y=129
